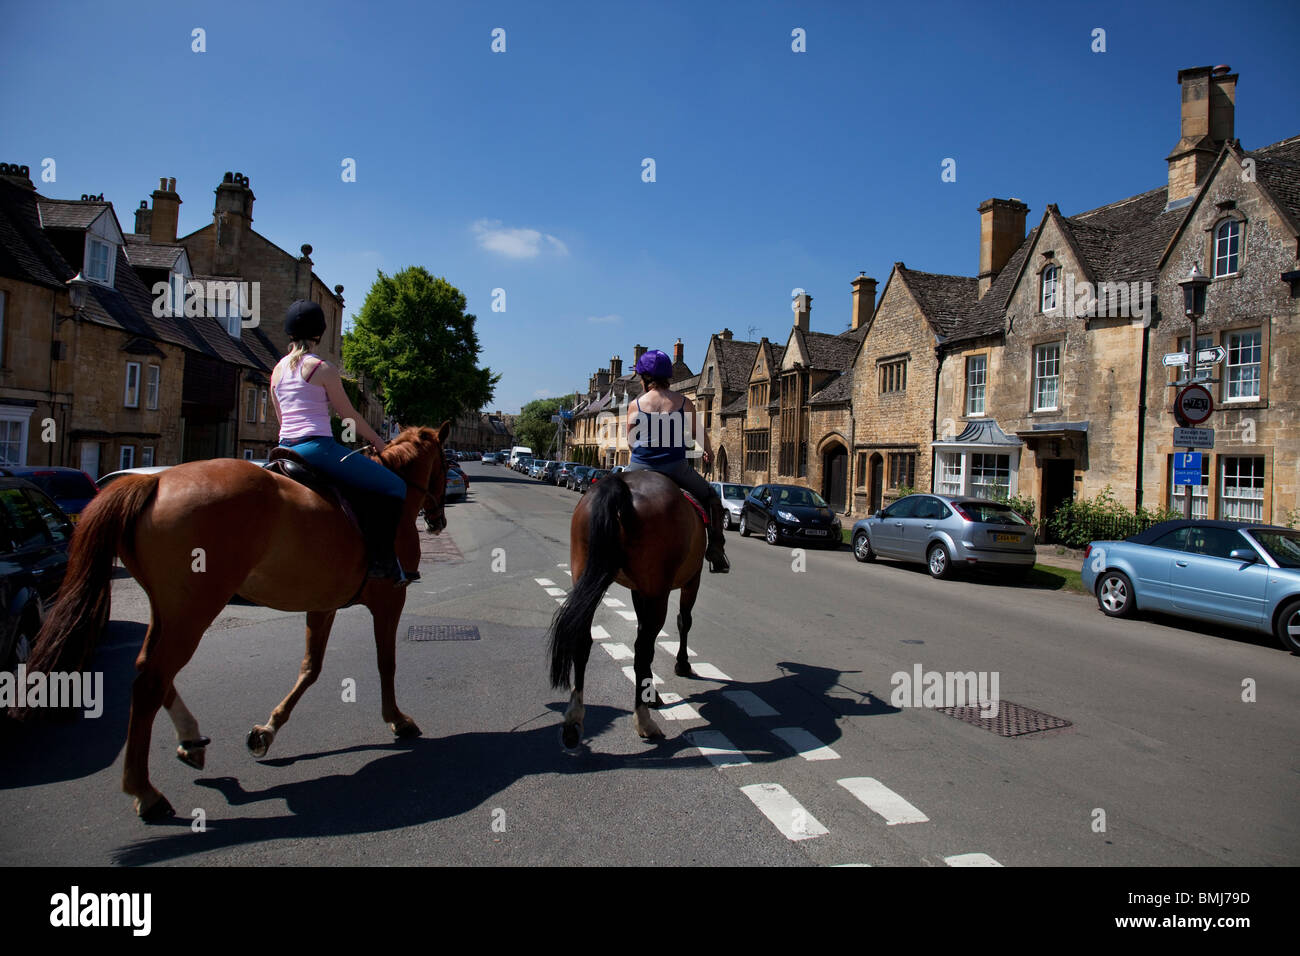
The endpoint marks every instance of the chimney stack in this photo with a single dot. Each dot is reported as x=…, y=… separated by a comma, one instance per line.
x=1206, y=122
x=17, y=174
x=166, y=212
x=802, y=310
x=864, y=301
x=679, y=351
x=615, y=368
x=725, y=335
x=1002, y=229
x=143, y=218
x=639, y=351
x=232, y=215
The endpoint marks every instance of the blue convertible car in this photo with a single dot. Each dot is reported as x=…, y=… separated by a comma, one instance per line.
x=1247, y=575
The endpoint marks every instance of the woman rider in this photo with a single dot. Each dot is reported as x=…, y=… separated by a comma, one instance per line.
x=304, y=387
x=658, y=423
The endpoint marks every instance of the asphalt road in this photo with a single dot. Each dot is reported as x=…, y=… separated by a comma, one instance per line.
x=1162, y=762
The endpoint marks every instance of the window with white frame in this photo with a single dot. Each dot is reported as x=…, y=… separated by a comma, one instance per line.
x=13, y=441
x=1227, y=248
x=97, y=259
x=131, y=395
x=248, y=454
x=1241, y=488
x=1047, y=377
x=146, y=456
x=1200, y=493
x=990, y=475
x=951, y=477
x=151, y=387
x=1244, y=351
x=126, y=457
x=1051, y=288
x=976, y=371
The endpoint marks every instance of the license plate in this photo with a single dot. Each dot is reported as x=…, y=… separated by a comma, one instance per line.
x=73, y=518
x=815, y=531
x=1009, y=538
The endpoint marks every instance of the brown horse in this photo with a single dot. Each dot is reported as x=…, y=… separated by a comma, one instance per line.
x=197, y=535
x=636, y=528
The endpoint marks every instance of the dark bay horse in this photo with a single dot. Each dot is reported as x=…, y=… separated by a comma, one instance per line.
x=197, y=535
x=636, y=528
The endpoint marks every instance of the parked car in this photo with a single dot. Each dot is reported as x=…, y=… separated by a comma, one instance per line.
x=519, y=451
x=1221, y=572
x=617, y=468
x=34, y=535
x=491, y=459
x=111, y=477
x=789, y=512
x=564, y=473
x=535, y=469
x=946, y=532
x=733, y=499
x=592, y=476
x=549, y=471
x=457, y=486
x=576, y=474
x=71, y=488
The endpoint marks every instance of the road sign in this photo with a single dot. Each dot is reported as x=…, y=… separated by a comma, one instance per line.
x=1174, y=358
x=1211, y=356
x=1187, y=468
x=1194, y=404
x=1194, y=437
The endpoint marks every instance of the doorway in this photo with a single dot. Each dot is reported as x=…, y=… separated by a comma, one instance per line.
x=1058, y=486
x=835, y=474
x=877, y=481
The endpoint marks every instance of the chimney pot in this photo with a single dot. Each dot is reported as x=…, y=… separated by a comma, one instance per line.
x=679, y=351
x=802, y=310
x=864, y=300
x=166, y=212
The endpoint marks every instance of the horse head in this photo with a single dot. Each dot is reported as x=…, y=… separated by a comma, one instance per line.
x=416, y=454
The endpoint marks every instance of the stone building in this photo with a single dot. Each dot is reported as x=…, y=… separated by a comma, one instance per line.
x=723, y=379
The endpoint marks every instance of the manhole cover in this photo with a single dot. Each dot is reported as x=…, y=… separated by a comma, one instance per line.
x=1012, y=720
x=442, y=632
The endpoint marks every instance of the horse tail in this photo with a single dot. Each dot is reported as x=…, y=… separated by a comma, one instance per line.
x=610, y=515
x=71, y=630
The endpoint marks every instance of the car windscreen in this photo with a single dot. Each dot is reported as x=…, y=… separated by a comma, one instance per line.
x=736, y=492
x=63, y=484
x=800, y=497
x=1282, y=546
x=990, y=512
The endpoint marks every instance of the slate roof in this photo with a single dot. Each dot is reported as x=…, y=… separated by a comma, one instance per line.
x=735, y=359
x=68, y=213
x=944, y=299
x=984, y=432
x=146, y=254
x=1277, y=167
x=838, y=390
x=26, y=253
x=824, y=350
x=738, y=406
x=1123, y=241
x=988, y=317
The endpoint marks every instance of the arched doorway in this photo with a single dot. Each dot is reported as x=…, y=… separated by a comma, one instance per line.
x=835, y=477
x=722, y=465
x=876, y=482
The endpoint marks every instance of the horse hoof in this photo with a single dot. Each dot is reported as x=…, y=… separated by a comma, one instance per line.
x=191, y=757
x=259, y=741
x=571, y=734
x=683, y=670
x=158, y=811
x=405, y=729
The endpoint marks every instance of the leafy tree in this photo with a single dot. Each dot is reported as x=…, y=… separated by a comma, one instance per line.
x=534, y=427
x=414, y=337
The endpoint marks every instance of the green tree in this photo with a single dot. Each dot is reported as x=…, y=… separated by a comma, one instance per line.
x=534, y=427
x=414, y=337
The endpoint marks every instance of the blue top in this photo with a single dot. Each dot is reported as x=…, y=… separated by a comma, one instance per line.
x=658, y=438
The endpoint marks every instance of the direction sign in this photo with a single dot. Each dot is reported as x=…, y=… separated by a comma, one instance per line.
x=1211, y=356
x=1187, y=468
x=1194, y=404
x=1174, y=358
x=1194, y=437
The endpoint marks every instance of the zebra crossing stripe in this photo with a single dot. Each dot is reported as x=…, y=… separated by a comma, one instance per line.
x=971, y=859
x=627, y=615
x=613, y=602
x=620, y=652
x=675, y=708
x=545, y=582
x=882, y=800
x=785, y=812
x=554, y=592
x=598, y=633
x=709, y=672
x=805, y=744
x=672, y=647
x=717, y=748
x=630, y=671
x=749, y=702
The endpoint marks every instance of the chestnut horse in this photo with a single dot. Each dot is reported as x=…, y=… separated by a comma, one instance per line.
x=200, y=533
x=636, y=528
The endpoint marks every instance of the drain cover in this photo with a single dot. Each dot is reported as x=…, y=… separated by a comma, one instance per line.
x=442, y=632
x=1012, y=720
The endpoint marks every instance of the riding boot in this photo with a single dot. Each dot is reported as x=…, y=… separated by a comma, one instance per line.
x=381, y=540
x=718, y=563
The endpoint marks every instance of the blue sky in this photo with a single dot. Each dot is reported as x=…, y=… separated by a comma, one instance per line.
x=522, y=170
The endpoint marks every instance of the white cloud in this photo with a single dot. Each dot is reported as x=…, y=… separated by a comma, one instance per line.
x=516, y=243
x=611, y=319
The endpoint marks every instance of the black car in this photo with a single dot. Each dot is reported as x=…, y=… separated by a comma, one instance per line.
x=576, y=474
x=71, y=488
x=590, y=477
x=789, y=513
x=34, y=535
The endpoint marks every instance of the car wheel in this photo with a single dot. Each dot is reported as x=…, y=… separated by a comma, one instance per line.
x=773, y=534
x=938, y=561
x=1115, y=594
x=726, y=520
x=744, y=526
x=1288, y=627
x=862, y=547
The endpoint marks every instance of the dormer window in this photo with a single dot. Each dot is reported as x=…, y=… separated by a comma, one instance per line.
x=1227, y=248
x=1051, y=288
x=99, y=261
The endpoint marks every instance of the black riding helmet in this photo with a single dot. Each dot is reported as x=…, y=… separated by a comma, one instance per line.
x=304, y=320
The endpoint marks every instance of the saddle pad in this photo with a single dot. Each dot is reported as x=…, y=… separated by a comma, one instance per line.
x=704, y=515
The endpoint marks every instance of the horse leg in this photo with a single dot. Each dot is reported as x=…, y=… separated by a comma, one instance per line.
x=690, y=591
x=319, y=624
x=571, y=732
x=192, y=746
x=386, y=611
x=650, y=614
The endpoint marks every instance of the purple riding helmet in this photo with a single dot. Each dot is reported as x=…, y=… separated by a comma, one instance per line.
x=655, y=364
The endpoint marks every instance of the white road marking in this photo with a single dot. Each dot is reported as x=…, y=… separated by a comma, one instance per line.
x=709, y=672
x=805, y=744
x=971, y=859
x=598, y=633
x=672, y=648
x=568, y=572
x=882, y=800
x=613, y=602
x=720, y=751
x=630, y=671
x=785, y=812
x=555, y=591
x=620, y=652
x=750, y=703
x=562, y=565
x=545, y=582
x=559, y=600
x=627, y=615
x=675, y=708
x=664, y=634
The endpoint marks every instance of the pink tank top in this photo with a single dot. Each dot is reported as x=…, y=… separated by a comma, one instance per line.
x=304, y=407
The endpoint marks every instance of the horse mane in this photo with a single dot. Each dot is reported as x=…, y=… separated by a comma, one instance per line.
x=408, y=445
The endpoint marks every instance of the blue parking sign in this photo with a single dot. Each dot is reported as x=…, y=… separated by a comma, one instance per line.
x=1187, y=468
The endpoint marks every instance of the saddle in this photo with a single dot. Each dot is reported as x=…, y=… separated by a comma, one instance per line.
x=289, y=464
x=699, y=508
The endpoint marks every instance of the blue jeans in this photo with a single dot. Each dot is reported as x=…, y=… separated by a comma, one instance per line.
x=685, y=476
x=325, y=454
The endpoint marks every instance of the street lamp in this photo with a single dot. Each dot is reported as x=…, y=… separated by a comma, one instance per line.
x=77, y=287
x=1193, y=287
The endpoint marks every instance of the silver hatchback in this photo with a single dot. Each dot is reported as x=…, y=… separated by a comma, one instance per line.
x=947, y=532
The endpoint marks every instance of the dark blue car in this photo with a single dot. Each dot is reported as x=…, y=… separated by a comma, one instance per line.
x=71, y=488
x=789, y=513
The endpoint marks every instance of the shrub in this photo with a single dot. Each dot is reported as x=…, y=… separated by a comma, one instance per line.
x=1102, y=518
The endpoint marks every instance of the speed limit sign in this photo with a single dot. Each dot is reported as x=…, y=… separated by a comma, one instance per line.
x=1194, y=404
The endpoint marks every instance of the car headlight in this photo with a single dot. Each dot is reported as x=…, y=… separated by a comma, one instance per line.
x=787, y=516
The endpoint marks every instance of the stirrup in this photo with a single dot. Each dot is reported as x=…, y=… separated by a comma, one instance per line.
x=718, y=564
